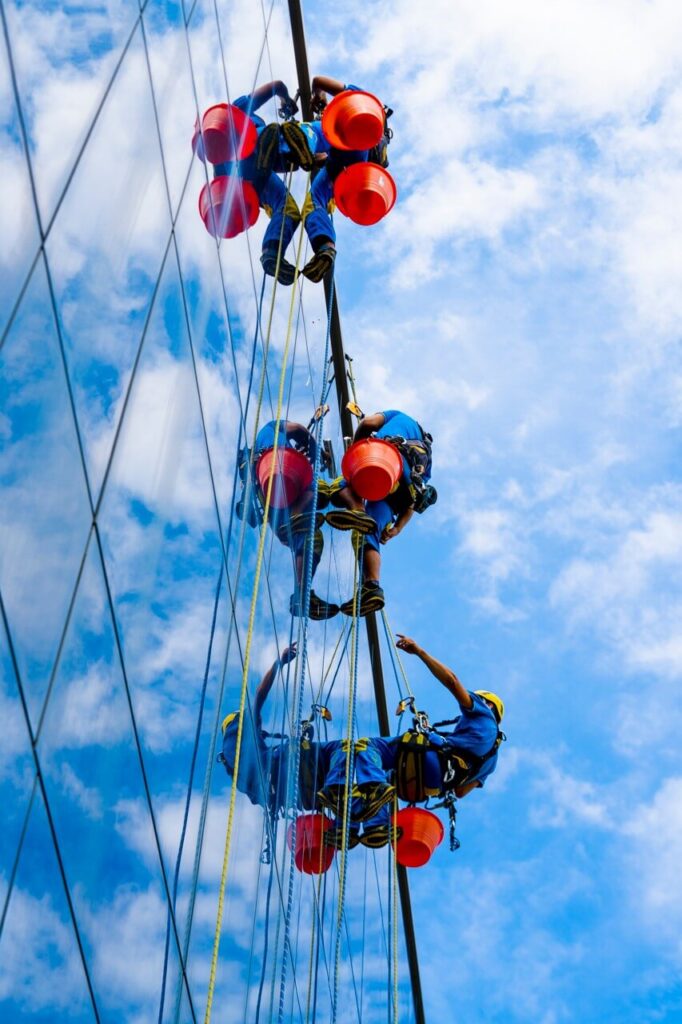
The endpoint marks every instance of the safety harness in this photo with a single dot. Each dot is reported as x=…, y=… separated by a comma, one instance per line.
x=457, y=766
x=418, y=456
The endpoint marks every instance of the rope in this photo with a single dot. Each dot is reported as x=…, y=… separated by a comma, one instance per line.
x=314, y=941
x=295, y=768
x=188, y=799
x=249, y=639
x=393, y=867
x=217, y=717
x=394, y=651
x=349, y=775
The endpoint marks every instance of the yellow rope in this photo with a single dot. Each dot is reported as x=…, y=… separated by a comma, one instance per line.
x=249, y=634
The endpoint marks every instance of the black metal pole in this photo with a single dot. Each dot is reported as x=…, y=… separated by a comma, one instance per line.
x=343, y=397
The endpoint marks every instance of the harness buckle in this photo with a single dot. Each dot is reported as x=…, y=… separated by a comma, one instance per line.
x=449, y=773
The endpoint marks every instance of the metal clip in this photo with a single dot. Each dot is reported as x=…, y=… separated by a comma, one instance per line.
x=320, y=413
x=405, y=703
x=322, y=711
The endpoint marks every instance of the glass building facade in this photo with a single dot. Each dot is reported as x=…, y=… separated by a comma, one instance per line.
x=137, y=358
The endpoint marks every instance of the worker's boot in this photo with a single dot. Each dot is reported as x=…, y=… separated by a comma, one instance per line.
x=351, y=519
x=371, y=600
x=318, y=609
x=319, y=265
x=298, y=144
x=374, y=796
x=285, y=271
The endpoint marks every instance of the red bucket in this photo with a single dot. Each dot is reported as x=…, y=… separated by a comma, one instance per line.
x=228, y=206
x=311, y=855
x=292, y=472
x=365, y=193
x=353, y=120
x=373, y=468
x=228, y=134
x=421, y=833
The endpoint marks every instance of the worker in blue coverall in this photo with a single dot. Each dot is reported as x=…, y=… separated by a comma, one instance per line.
x=318, y=223
x=273, y=195
x=381, y=521
x=264, y=757
x=475, y=735
x=292, y=525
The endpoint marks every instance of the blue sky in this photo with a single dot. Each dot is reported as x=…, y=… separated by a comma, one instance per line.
x=523, y=302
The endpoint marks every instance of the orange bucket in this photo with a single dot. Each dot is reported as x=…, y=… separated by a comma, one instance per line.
x=228, y=134
x=292, y=472
x=421, y=833
x=311, y=855
x=228, y=206
x=365, y=193
x=353, y=120
x=373, y=468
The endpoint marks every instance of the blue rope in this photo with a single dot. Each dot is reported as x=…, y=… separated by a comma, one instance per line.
x=295, y=753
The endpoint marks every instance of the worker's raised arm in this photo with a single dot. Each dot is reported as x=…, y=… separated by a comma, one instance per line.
x=442, y=673
x=267, y=92
x=368, y=424
x=265, y=685
x=321, y=85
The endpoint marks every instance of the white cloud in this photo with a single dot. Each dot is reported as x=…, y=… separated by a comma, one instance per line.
x=628, y=588
x=127, y=937
x=161, y=458
x=40, y=969
x=652, y=864
x=482, y=201
x=85, y=797
x=88, y=709
x=561, y=800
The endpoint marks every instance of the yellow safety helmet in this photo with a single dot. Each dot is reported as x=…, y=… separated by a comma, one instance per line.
x=494, y=699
